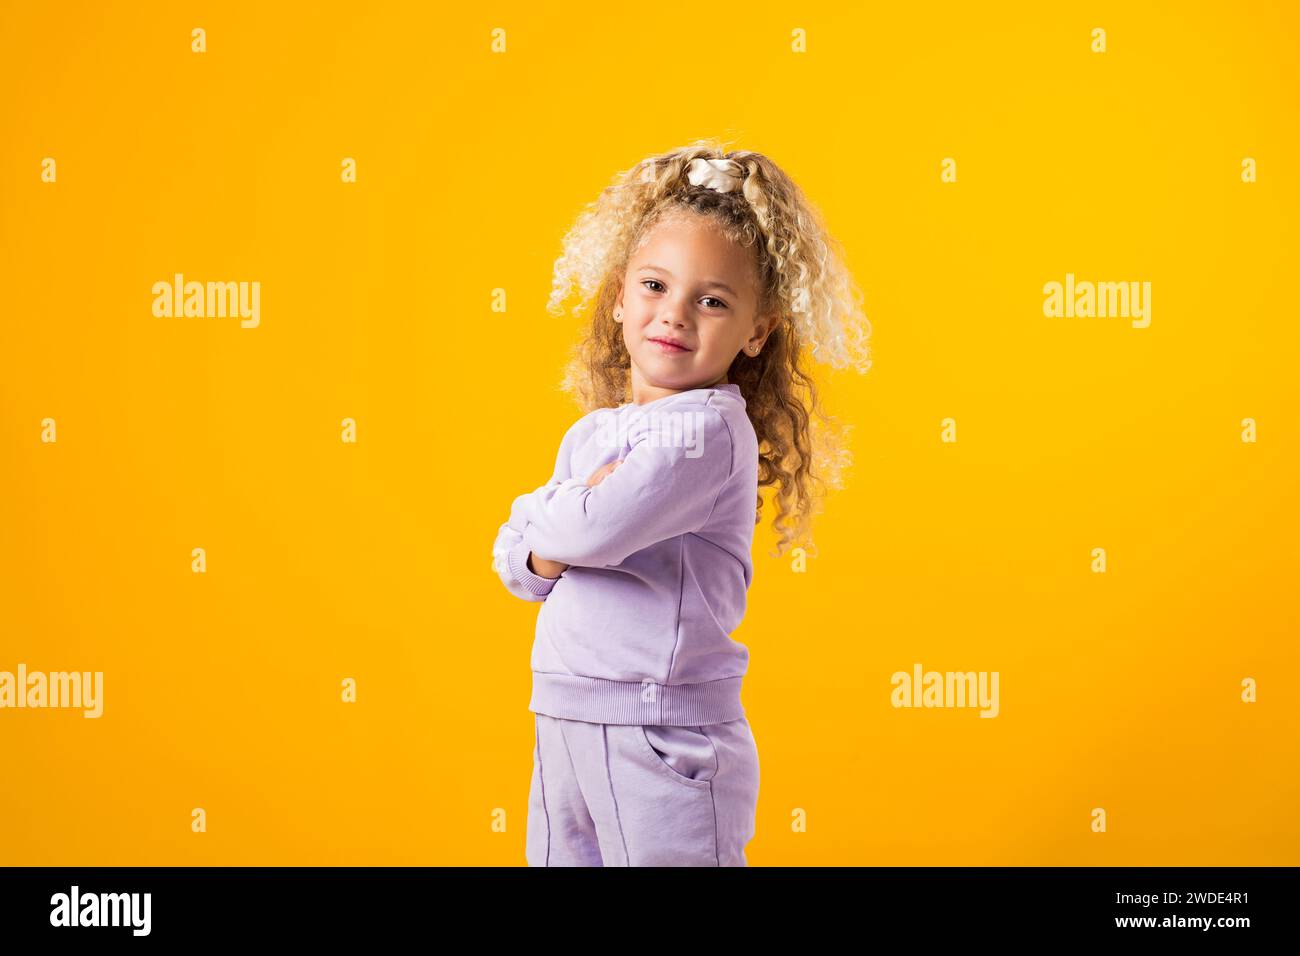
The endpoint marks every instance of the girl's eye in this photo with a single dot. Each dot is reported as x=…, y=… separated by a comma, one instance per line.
x=720, y=305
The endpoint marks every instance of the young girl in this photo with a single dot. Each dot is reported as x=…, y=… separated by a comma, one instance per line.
x=714, y=279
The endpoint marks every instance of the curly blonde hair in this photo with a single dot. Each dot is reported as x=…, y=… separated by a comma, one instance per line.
x=804, y=285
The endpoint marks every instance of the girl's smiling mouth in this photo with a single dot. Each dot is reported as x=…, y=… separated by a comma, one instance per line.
x=670, y=346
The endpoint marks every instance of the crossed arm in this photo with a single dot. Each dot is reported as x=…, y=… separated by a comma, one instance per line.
x=524, y=572
x=652, y=494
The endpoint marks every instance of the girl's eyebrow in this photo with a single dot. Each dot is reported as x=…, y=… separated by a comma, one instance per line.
x=715, y=283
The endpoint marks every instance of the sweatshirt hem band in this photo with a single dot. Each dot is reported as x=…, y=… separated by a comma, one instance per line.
x=601, y=701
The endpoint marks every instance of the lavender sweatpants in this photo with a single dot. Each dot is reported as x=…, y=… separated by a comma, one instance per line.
x=637, y=795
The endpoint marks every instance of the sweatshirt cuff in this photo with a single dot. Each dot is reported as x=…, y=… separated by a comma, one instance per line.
x=517, y=561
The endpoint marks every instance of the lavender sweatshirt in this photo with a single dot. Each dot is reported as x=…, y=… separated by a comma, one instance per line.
x=637, y=629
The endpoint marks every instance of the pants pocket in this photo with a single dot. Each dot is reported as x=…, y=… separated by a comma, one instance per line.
x=684, y=754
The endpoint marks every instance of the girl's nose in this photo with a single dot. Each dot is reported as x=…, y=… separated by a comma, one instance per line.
x=674, y=316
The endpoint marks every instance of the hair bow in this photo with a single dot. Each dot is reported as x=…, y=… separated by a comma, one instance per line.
x=724, y=175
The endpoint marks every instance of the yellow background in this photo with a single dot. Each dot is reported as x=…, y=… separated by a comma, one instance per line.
x=328, y=560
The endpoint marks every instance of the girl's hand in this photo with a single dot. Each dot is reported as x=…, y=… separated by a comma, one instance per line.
x=600, y=473
x=543, y=568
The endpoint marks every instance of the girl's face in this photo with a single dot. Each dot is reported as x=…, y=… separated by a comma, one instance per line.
x=690, y=285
